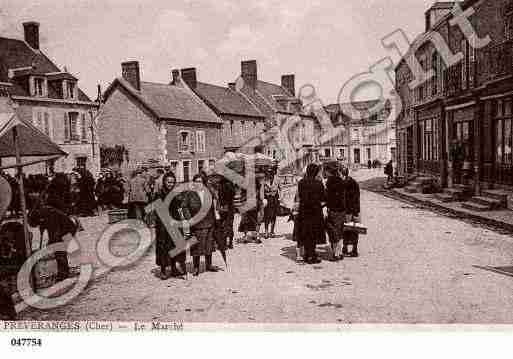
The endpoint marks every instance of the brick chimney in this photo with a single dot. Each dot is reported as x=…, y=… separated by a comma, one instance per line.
x=175, y=77
x=249, y=72
x=287, y=82
x=130, y=72
x=31, y=30
x=189, y=77
x=231, y=86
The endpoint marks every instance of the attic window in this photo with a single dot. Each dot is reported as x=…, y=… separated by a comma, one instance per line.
x=70, y=90
x=39, y=85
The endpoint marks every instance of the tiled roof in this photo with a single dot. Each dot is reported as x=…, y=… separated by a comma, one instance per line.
x=15, y=54
x=226, y=101
x=170, y=101
x=356, y=109
x=269, y=91
x=32, y=142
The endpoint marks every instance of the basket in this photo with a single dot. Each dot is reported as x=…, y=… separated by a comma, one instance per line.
x=117, y=215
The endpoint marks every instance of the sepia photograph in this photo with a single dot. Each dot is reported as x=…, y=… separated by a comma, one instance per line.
x=276, y=165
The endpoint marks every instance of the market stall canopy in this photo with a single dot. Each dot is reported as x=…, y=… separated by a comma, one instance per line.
x=34, y=146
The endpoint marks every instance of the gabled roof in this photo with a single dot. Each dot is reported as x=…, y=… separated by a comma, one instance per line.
x=31, y=141
x=226, y=101
x=16, y=54
x=168, y=101
x=357, y=109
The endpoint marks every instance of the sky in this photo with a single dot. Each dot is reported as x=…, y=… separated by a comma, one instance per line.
x=323, y=42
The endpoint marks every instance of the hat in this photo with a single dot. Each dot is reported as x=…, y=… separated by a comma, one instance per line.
x=332, y=166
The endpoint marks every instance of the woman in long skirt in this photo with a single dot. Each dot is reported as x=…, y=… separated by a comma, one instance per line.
x=203, y=230
x=311, y=195
x=164, y=241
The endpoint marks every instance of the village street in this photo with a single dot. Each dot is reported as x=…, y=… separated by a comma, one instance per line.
x=415, y=266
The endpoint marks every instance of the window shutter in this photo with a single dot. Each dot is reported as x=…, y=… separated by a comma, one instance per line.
x=464, y=64
x=47, y=124
x=192, y=141
x=66, y=128
x=83, y=128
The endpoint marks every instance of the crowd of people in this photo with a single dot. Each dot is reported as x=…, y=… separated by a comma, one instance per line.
x=76, y=193
x=326, y=199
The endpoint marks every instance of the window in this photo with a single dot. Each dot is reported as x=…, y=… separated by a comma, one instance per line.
x=81, y=162
x=200, y=141
x=342, y=153
x=368, y=153
x=186, y=171
x=355, y=135
x=504, y=132
x=357, y=155
x=327, y=152
x=201, y=164
x=184, y=141
x=39, y=85
x=174, y=166
x=464, y=64
x=70, y=90
x=71, y=127
x=508, y=26
x=429, y=140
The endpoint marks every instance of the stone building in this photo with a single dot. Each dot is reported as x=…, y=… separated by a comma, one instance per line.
x=163, y=122
x=50, y=99
x=461, y=133
x=279, y=104
x=242, y=121
x=368, y=133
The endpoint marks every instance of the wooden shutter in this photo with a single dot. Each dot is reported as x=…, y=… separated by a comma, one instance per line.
x=192, y=141
x=66, y=127
x=47, y=124
x=84, y=128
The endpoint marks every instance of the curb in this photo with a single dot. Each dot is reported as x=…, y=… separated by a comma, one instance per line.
x=496, y=224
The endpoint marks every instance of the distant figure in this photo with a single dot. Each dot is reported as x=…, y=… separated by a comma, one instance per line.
x=369, y=164
x=272, y=195
x=389, y=171
x=137, y=195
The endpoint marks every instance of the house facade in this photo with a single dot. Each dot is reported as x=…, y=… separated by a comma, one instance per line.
x=280, y=105
x=163, y=122
x=367, y=134
x=51, y=100
x=460, y=130
x=242, y=121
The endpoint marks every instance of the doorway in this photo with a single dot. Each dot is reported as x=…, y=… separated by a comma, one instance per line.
x=357, y=156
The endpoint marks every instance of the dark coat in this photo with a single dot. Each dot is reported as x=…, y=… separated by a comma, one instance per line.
x=203, y=231
x=311, y=194
x=192, y=206
x=335, y=194
x=56, y=222
x=352, y=196
x=164, y=242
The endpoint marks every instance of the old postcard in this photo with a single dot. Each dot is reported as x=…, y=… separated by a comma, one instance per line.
x=197, y=165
